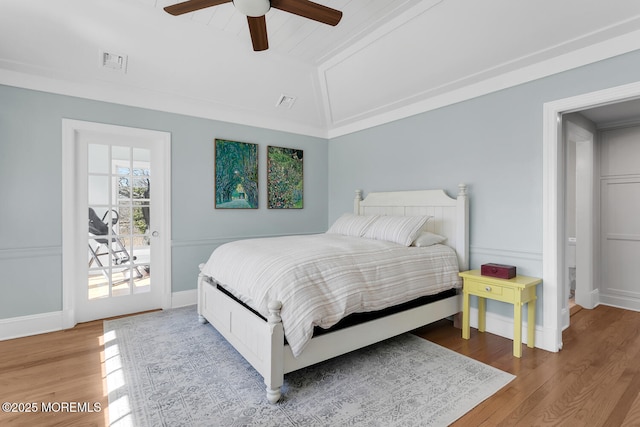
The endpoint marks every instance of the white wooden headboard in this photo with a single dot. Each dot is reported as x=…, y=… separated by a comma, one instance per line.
x=450, y=215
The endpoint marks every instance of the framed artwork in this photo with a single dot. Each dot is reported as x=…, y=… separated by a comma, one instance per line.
x=284, y=178
x=236, y=170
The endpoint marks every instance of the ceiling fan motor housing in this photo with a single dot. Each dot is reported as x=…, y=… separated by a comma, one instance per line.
x=252, y=8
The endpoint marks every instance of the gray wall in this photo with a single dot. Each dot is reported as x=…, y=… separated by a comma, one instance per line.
x=492, y=143
x=30, y=191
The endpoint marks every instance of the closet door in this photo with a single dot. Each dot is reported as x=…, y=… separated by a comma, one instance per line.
x=620, y=217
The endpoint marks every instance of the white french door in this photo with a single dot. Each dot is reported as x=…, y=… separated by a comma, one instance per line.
x=120, y=244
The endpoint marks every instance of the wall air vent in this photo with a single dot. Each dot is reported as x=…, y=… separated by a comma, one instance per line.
x=113, y=61
x=285, y=101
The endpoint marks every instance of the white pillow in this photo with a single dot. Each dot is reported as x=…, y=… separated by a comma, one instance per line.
x=398, y=229
x=352, y=225
x=426, y=238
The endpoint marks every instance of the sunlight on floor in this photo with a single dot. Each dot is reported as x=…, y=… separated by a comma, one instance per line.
x=99, y=286
x=119, y=408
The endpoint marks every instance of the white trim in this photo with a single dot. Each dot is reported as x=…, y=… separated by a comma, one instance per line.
x=39, y=252
x=68, y=222
x=619, y=301
x=506, y=253
x=23, y=326
x=553, y=184
x=222, y=240
x=38, y=79
x=585, y=214
x=428, y=101
x=153, y=100
x=184, y=298
x=42, y=323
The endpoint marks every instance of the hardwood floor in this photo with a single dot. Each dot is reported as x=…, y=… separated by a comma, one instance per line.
x=53, y=369
x=593, y=381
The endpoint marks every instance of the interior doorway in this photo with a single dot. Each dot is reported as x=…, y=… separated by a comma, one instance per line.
x=621, y=101
x=116, y=220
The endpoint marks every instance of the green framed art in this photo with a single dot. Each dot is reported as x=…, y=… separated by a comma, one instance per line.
x=236, y=175
x=285, y=178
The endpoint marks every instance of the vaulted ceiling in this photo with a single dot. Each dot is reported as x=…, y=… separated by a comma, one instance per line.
x=384, y=60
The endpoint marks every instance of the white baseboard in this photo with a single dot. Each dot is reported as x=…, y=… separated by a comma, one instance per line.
x=184, y=298
x=24, y=326
x=503, y=326
x=624, y=302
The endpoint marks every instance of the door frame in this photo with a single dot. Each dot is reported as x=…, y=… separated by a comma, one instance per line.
x=586, y=198
x=71, y=249
x=553, y=210
x=586, y=228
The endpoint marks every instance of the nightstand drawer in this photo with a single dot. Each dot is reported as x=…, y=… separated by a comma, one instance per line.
x=488, y=290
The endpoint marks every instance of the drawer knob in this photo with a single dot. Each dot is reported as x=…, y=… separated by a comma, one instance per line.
x=487, y=288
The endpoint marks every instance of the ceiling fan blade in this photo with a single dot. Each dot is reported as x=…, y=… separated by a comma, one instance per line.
x=258, y=30
x=192, y=5
x=308, y=9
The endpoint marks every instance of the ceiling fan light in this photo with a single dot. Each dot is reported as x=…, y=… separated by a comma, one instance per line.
x=253, y=8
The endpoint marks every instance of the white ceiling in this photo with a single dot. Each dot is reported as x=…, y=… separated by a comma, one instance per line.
x=296, y=37
x=385, y=59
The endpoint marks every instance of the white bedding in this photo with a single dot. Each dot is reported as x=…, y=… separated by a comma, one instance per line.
x=322, y=278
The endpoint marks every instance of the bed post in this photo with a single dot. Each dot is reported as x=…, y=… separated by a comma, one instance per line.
x=274, y=377
x=356, y=202
x=200, y=291
x=462, y=236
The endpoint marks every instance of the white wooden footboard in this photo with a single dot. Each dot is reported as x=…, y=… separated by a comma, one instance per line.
x=260, y=343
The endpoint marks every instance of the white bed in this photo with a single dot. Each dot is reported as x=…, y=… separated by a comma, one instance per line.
x=262, y=342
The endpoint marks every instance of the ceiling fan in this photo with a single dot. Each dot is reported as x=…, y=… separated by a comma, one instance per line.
x=255, y=11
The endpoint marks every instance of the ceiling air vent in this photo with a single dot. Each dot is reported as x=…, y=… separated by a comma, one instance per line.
x=113, y=61
x=285, y=101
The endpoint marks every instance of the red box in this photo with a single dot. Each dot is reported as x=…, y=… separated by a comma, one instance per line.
x=500, y=271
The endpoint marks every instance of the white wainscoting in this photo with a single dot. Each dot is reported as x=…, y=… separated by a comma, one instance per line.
x=40, y=323
x=528, y=263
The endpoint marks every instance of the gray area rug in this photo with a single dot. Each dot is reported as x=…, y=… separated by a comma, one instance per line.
x=166, y=369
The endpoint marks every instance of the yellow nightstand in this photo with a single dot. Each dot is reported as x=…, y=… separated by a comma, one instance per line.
x=518, y=291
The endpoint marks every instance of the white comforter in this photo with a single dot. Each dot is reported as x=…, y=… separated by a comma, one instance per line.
x=322, y=278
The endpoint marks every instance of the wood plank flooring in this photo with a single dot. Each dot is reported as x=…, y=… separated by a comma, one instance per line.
x=593, y=381
x=64, y=366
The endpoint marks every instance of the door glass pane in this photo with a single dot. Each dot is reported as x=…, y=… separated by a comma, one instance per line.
x=122, y=184
x=141, y=155
x=121, y=154
x=98, y=190
x=98, y=283
x=118, y=246
x=143, y=284
x=98, y=158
